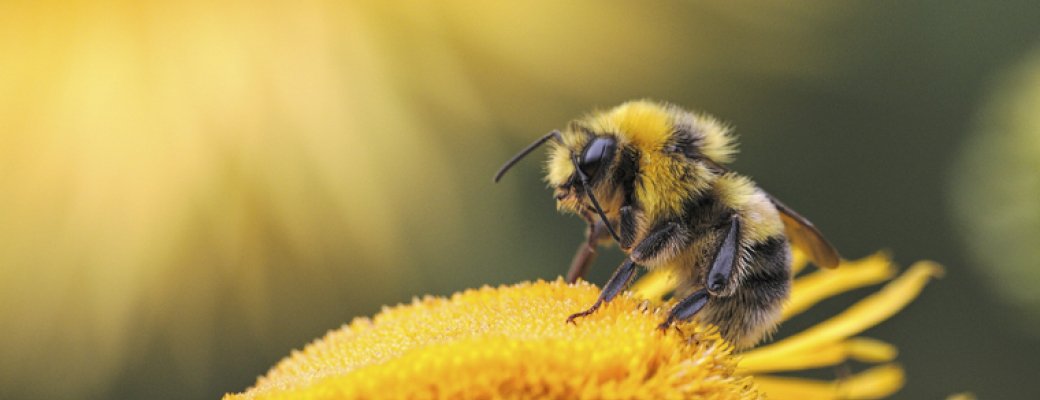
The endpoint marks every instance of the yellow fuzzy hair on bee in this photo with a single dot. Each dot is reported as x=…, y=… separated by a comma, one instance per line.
x=650, y=125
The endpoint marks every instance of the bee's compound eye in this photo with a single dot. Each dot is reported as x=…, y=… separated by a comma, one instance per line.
x=601, y=149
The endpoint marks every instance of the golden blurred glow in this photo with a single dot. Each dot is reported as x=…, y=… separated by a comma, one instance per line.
x=152, y=151
x=164, y=164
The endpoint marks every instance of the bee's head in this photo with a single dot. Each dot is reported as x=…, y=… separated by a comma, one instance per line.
x=579, y=171
x=652, y=153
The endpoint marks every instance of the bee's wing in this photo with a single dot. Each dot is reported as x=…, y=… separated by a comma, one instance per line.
x=804, y=235
x=800, y=232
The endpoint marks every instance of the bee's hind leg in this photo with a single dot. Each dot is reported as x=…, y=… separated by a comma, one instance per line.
x=686, y=308
x=719, y=279
x=615, y=285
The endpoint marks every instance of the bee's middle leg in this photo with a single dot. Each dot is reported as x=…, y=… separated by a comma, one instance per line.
x=686, y=308
x=662, y=241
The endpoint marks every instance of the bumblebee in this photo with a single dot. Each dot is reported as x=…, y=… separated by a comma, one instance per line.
x=652, y=178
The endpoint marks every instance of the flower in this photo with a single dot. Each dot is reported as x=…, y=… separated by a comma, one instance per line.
x=511, y=342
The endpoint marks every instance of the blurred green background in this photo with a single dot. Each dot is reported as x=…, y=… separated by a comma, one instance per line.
x=190, y=190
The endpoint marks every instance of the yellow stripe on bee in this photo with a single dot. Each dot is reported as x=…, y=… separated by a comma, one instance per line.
x=650, y=125
x=659, y=192
x=646, y=124
x=760, y=219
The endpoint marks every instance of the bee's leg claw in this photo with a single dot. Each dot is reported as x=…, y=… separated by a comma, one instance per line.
x=668, y=323
x=615, y=285
x=570, y=319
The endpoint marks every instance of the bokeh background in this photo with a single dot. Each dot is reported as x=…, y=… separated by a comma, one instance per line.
x=189, y=190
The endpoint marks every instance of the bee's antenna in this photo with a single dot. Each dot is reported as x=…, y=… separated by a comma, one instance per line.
x=595, y=203
x=523, y=153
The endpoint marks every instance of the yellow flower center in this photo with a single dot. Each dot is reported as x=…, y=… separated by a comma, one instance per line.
x=510, y=342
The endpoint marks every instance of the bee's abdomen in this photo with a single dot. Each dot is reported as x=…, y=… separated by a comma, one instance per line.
x=753, y=311
x=770, y=269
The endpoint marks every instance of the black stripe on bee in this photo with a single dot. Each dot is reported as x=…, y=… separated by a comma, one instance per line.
x=626, y=175
x=706, y=212
x=770, y=274
x=685, y=141
x=627, y=226
x=685, y=145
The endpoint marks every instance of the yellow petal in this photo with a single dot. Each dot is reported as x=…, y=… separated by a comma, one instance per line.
x=799, y=260
x=796, y=388
x=857, y=318
x=870, y=350
x=654, y=285
x=812, y=288
x=860, y=349
x=874, y=383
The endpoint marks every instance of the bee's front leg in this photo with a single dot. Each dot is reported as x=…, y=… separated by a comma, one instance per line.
x=615, y=285
x=662, y=241
x=586, y=253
